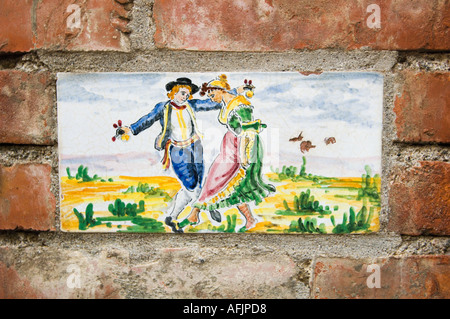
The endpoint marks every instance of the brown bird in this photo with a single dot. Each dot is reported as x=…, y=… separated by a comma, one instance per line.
x=297, y=139
x=306, y=146
x=329, y=140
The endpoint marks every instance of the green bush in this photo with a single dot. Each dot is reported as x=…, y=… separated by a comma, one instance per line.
x=148, y=191
x=86, y=221
x=304, y=204
x=229, y=227
x=83, y=176
x=122, y=212
x=369, y=188
x=291, y=173
x=303, y=168
x=309, y=225
x=353, y=222
x=145, y=225
x=121, y=209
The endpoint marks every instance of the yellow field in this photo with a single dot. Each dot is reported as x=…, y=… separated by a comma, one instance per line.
x=339, y=193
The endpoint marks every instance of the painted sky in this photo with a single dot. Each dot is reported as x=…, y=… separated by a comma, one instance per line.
x=347, y=106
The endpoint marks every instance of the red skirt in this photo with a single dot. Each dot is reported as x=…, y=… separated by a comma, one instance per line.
x=224, y=168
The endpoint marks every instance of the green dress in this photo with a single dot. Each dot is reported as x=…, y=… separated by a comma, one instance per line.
x=248, y=185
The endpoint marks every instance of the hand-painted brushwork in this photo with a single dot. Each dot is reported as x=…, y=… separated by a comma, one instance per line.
x=220, y=152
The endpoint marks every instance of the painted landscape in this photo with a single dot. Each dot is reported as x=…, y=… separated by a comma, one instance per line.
x=303, y=203
x=322, y=153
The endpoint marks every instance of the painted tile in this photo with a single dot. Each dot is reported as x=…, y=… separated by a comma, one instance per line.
x=234, y=152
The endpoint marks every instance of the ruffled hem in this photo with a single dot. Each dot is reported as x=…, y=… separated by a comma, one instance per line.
x=244, y=190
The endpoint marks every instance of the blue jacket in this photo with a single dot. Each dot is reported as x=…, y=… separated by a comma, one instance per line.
x=162, y=112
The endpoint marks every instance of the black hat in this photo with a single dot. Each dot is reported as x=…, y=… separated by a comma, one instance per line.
x=183, y=81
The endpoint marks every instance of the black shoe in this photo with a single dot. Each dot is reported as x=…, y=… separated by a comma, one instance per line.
x=215, y=215
x=172, y=225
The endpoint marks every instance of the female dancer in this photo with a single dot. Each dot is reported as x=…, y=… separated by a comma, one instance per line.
x=235, y=177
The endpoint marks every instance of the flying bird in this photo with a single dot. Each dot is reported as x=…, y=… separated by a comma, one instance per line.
x=306, y=146
x=329, y=140
x=297, y=139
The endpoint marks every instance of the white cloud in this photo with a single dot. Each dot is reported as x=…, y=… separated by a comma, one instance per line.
x=347, y=106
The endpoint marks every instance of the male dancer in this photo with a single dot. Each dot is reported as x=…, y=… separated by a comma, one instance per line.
x=180, y=140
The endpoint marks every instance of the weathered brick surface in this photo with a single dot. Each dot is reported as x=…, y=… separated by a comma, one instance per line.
x=277, y=25
x=182, y=273
x=52, y=272
x=419, y=200
x=47, y=273
x=51, y=24
x=419, y=197
x=422, y=107
x=16, y=25
x=26, y=201
x=414, y=277
x=26, y=108
x=12, y=286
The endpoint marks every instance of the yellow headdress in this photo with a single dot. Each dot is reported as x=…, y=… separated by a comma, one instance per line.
x=220, y=83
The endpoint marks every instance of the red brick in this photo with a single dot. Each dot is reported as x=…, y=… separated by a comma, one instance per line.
x=12, y=286
x=16, y=25
x=26, y=201
x=419, y=200
x=423, y=107
x=43, y=25
x=414, y=277
x=278, y=25
x=26, y=108
x=43, y=272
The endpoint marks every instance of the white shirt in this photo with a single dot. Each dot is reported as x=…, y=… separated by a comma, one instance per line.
x=182, y=127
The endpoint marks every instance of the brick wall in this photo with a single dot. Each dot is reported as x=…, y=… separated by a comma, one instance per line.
x=409, y=47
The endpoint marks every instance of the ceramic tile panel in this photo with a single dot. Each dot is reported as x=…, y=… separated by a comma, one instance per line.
x=222, y=152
